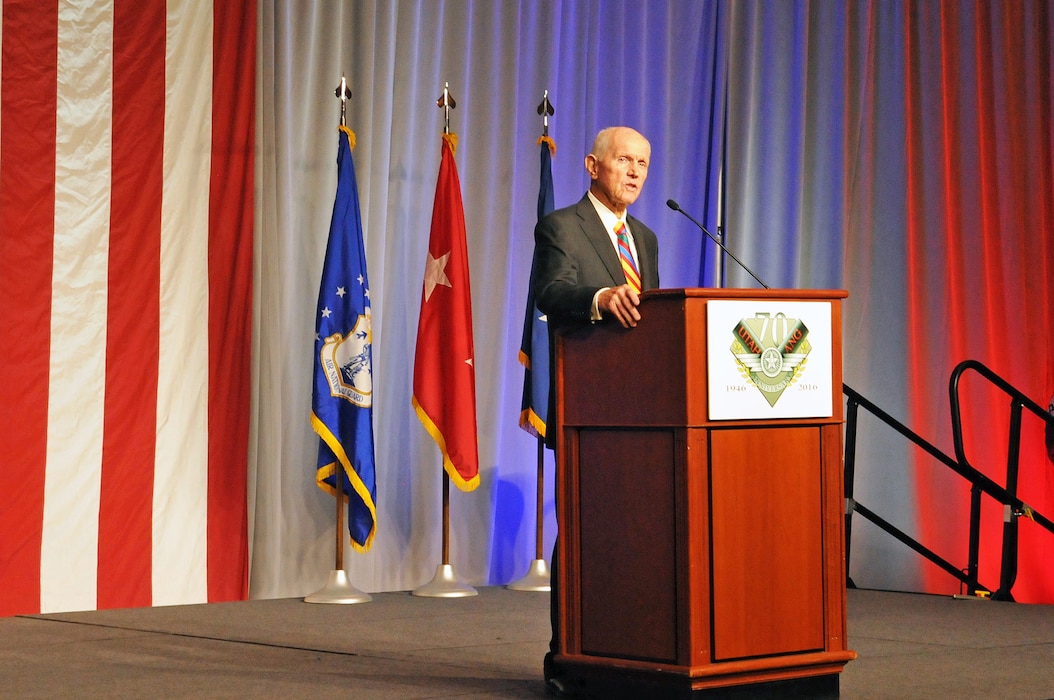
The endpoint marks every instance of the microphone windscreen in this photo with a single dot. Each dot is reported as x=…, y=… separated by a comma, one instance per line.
x=673, y=205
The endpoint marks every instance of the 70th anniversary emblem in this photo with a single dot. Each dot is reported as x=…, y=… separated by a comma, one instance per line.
x=779, y=363
x=771, y=352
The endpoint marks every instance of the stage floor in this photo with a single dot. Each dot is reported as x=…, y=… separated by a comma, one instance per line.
x=486, y=646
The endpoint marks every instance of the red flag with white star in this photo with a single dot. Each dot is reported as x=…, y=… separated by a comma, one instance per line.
x=444, y=373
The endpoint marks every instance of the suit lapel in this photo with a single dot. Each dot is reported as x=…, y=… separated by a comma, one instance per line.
x=594, y=231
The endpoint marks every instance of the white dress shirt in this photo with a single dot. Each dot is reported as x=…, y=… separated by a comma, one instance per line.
x=610, y=221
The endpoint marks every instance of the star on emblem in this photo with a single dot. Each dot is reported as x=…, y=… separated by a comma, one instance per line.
x=435, y=273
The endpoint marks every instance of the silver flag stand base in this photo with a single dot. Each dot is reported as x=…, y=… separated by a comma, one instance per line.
x=445, y=585
x=536, y=578
x=338, y=589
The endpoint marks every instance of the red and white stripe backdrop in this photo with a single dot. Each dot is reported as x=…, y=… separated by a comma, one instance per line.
x=126, y=213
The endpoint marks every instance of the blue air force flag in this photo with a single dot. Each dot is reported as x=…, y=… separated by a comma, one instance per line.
x=534, y=343
x=342, y=395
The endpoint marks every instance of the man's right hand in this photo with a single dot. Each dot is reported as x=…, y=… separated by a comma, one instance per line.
x=620, y=302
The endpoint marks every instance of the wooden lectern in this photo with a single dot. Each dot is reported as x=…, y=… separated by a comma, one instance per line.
x=699, y=557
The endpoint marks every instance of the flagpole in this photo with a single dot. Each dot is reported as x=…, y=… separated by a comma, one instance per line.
x=539, y=512
x=445, y=583
x=338, y=588
x=446, y=518
x=343, y=94
x=339, y=558
x=538, y=578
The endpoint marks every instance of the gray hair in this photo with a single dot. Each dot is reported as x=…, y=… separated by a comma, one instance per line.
x=602, y=142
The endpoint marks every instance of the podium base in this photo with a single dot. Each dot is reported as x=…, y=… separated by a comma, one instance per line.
x=536, y=579
x=445, y=584
x=632, y=686
x=338, y=589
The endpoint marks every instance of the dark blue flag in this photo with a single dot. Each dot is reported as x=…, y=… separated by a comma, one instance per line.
x=342, y=395
x=534, y=344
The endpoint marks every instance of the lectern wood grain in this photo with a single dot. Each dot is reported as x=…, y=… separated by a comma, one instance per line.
x=696, y=554
x=767, y=542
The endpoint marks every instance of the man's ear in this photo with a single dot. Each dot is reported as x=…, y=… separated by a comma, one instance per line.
x=591, y=166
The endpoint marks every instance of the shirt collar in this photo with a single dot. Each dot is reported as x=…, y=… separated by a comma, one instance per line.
x=607, y=217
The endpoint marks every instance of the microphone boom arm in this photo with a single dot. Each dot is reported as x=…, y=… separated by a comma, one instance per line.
x=677, y=207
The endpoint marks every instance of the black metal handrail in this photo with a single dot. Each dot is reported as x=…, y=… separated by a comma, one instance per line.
x=855, y=401
x=1013, y=507
x=979, y=483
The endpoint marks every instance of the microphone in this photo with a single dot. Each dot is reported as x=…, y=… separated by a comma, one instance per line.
x=677, y=207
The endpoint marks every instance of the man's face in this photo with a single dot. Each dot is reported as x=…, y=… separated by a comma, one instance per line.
x=619, y=173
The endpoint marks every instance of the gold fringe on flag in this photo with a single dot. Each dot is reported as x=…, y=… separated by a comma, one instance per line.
x=451, y=138
x=351, y=135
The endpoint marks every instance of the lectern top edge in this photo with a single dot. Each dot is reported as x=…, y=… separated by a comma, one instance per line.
x=746, y=293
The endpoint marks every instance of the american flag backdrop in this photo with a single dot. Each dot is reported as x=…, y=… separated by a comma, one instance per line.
x=126, y=220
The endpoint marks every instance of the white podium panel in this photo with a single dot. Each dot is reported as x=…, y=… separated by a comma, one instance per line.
x=769, y=358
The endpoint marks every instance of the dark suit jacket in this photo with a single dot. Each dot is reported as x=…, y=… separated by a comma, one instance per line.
x=573, y=258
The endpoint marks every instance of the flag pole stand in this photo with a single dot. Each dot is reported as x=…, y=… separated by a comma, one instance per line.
x=537, y=578
x=445, y=583
x=338, y=588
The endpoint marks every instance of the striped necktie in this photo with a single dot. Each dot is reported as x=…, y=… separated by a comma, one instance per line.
x=625, y=256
